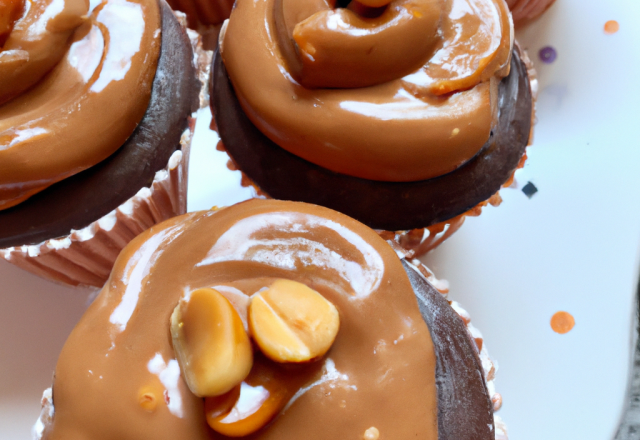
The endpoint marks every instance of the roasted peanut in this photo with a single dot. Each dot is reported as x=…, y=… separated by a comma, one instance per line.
x=260, y=397
x=291, y=322
x=217, y=406
x=236, y=423
x=211, y=344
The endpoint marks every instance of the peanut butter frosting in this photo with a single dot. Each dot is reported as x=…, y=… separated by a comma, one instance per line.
x=392, y=91
x=73, y=86
x=118, y=376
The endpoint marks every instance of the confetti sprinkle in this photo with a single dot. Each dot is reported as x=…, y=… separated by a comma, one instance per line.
x=562, y=322
x=611, y=27
x=548, y=54
x=529, y=189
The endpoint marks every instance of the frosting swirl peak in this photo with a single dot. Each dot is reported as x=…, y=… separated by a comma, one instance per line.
x=73, y=87
x=402, y=91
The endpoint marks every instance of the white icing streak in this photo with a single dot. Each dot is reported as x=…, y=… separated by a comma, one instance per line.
x=169, y=375
x=330, y=376
x=39, y=26
x=136, y=272
x=125, y=23
x=46, y=415
x=250, y=400
x=85, y=55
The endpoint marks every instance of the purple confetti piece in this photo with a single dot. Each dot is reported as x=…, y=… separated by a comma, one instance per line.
x=548, y=54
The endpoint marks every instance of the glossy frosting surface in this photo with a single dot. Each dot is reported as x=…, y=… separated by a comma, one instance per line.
x=403, y=93
x=72, y=88
x=380, y=371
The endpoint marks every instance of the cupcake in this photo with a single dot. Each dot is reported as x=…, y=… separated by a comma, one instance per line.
x=205, y=16
x=270, y=319
x=527, y=10
x=406, y=116
x=96, y=116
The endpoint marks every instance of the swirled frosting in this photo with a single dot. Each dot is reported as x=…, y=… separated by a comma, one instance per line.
x=380, y=371
x=73, y=86
x=402, y=92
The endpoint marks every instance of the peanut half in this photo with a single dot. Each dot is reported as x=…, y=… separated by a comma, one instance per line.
x=260, y=397
x=291, y=322
x=238, y=422
x=211, y=344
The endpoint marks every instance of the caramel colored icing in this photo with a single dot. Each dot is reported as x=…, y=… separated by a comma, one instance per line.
x=117, y=376
x=72, y=88
x=10, y=12
x=405, y=92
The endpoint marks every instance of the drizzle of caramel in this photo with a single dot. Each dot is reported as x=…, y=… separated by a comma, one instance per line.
x=124, y=340
x=72, y=88
x=404, y=95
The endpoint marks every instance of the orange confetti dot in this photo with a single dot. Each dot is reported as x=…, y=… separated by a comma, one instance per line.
x=562, y=322
x=611, y=27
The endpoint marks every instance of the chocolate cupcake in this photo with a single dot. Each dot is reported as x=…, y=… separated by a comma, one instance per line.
x=524, y=11
x=96, y=116
x=270, y=319
x=405, y=116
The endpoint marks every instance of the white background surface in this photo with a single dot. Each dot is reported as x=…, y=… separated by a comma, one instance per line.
x=573, y=246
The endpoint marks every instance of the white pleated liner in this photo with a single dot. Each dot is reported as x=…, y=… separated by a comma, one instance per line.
x=489, y=365
x=86, y=256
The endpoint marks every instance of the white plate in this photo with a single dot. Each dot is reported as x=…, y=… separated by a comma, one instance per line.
x=573, y=246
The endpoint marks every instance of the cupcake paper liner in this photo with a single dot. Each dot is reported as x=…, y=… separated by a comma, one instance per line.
x=86, y=256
